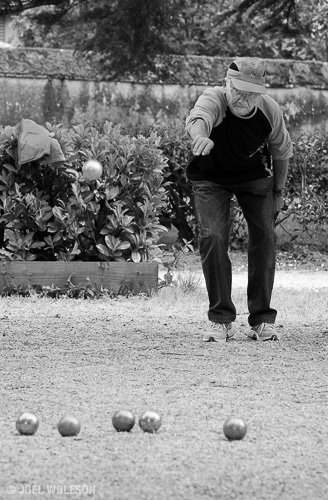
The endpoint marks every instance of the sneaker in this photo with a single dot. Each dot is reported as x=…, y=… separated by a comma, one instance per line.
x=218, y=332
x=264, y=331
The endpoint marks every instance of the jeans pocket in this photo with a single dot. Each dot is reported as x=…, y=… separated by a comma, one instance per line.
x=203, y=186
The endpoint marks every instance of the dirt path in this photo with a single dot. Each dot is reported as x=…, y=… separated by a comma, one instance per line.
x=90, y=358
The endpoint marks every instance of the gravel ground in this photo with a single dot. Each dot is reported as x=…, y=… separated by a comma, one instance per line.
x=90, y=358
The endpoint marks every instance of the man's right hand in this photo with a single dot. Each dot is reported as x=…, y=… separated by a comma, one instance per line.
x=201, y=145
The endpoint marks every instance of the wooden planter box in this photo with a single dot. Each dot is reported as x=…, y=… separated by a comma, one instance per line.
x=116, y=277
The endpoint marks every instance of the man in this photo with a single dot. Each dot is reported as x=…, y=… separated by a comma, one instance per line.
x=241, y=147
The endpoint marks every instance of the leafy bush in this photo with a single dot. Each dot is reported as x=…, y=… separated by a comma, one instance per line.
x=307, y=186
x=51, y=212
x=309, y=165
x=306, y=199
x=179, y=208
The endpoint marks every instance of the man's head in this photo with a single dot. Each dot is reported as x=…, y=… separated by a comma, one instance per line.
x=245, y=83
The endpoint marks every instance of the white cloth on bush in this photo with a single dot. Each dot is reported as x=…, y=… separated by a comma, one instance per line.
x=35, y=143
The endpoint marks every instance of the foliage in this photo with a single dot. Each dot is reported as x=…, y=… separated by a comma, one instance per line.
x=306, y=198
x=305, y=201
x=122, y=43
x=172, y=264
x=82, y=290
x=51, y=212
x=282, y=29
x=307, y=185
x=309, y=165
x=107, y=32
x=179, y=209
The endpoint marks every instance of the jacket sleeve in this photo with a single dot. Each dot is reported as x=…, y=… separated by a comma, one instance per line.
x=210, y=107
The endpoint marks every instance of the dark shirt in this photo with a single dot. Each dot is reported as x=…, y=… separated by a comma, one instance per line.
x=243, y=146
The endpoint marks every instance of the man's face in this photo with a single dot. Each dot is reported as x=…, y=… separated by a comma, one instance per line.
x=240, y=103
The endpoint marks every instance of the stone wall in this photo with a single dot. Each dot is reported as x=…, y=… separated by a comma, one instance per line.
x=56, y=86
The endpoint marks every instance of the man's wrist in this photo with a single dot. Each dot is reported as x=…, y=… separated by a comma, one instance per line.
x=279, y=191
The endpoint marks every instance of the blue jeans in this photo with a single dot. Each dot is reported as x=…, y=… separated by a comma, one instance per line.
x=212, y=203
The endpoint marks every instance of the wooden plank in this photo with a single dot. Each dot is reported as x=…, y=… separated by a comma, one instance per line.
x=116, y=277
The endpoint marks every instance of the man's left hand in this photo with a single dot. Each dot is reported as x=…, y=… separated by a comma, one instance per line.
x=278, y=203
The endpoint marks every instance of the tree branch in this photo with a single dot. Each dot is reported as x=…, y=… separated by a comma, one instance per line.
x=17, y=6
